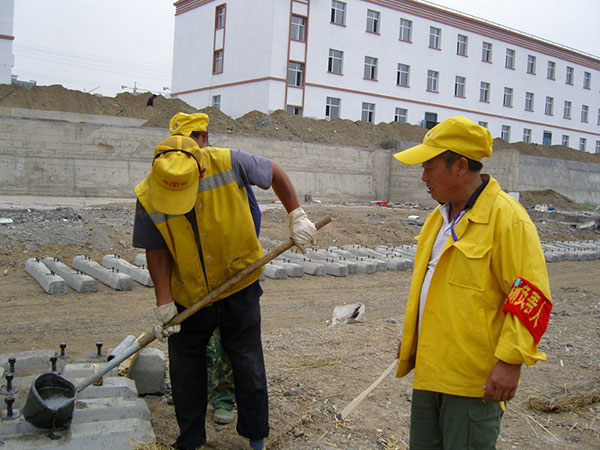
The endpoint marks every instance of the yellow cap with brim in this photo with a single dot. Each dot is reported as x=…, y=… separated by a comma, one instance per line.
x=174, y=177
x=457, y=134
x=182, y=123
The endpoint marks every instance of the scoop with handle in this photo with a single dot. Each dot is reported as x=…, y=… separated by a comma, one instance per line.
x=51, y=399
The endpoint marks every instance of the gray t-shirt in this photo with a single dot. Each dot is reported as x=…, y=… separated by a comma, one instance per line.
x=249, y=170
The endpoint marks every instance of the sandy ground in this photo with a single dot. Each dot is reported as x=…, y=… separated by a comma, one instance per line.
x=314, y=370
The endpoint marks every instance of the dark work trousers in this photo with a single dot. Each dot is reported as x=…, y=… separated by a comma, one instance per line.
x=238, y=318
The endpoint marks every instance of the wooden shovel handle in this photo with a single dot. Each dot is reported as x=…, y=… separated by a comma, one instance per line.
x=211, y=297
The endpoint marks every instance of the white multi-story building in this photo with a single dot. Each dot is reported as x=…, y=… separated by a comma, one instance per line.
x=383, y=61
x=6, y=40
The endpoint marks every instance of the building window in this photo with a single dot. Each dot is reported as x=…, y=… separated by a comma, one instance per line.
x=401, y=115
x=483, y=124
x=338, y=12
x=332, y=108
x=295, y=74
x=597, y=146
x=509, y=62
x=598, y=122
x=484, y=92
x=585, y=111
x=370, y=72
x=587, y=80
x=295, y=110
x=298, y=31
x=551, y=70
x=531, y=64
x=549, y=108
x=220, y=17
x=547, y=138
x=529, y=101
x=432, y=80
x=403, y=75
x=406, y=30
x=218, y=61
x=368, y=112
x=459, y=86
x=435, y=37
x=582, y=144
x=462, y=43
x=508, y=97
x=565, y=140
x=527, y=135
x=567, y=110
x=372, y=21
x=505, y=133
x=486, y=52
x=570, y=74
x=336, y=57
x=216, y=101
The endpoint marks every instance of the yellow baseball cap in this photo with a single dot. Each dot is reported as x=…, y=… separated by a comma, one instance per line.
x=458, y=134
x=175, y=174
x=182, y=123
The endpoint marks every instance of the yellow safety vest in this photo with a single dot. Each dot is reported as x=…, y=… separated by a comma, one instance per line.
x=225, y=227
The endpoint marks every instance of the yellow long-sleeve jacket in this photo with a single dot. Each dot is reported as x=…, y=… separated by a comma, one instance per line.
x=464, y=330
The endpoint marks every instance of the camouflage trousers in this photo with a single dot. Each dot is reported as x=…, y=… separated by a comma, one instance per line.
x=221, y=392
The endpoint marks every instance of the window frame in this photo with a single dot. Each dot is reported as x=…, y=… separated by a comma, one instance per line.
x=333, y=59
x=300, y=28
x=406, y=26
x=435, y=38
x=585, y=113
x=527, y=135
x=216, y=101
x=460, y=86
x=403, y=74
x=509, y=60
x=567, y=109
x=505, y=133
x=549, y=106
x=330, y=106
x=367, y=112
x=582, y=144
x=507, y=98
x=587, y=80
x=220, y=16
x=337, y=13
x=370, y=68
x=551, y=70
x=484, y=91
x=374, y=21
x=398, y=114
x=218, y=61
x=462, y=46
x=569, y=75
x=294, y=72
x=531, y=63
x=486, y=51
x=433, y=80
x=564, y=141
x=529, y=101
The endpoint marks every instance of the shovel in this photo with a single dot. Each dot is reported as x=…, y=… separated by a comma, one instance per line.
x=51, y=399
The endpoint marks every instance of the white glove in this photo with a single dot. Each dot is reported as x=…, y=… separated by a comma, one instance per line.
x=164, y=314
x=302, y=230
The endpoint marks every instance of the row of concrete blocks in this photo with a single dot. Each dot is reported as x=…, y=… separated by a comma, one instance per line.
x=571, y=250
x=107, y=416
x=54, y=276
x=341, y=262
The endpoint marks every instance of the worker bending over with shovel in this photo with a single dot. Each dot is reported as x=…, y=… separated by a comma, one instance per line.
x=479, y=300
x=193, y=219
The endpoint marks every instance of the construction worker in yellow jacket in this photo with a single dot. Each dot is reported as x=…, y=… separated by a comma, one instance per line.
x=193, y=219
x=479, y=299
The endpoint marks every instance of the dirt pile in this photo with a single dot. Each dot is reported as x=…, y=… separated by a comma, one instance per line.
x=277, y=125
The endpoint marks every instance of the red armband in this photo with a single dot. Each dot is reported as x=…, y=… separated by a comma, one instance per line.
x=530, y=306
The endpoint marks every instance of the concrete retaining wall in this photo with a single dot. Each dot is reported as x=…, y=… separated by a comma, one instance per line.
x=89, y=156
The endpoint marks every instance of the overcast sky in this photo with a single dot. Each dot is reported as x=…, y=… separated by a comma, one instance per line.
x=101, y=45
